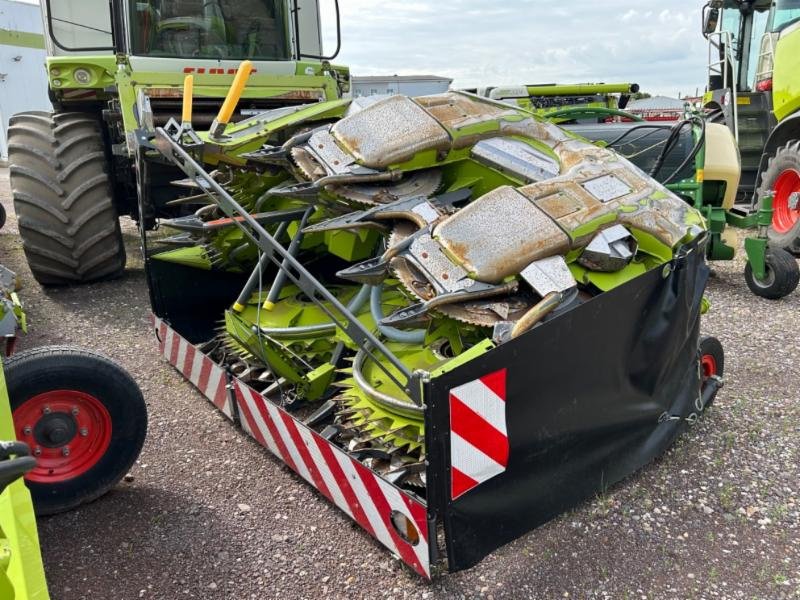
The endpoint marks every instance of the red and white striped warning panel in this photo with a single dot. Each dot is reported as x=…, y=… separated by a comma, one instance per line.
x=205, y=374
x=364, y=496
x=478, y=434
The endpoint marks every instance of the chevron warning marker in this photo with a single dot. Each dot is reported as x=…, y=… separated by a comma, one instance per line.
x=478, y=437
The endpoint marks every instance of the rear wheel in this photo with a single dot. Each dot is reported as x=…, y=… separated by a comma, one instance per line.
x=782, y=178
x=84, y=419
x=63, y=199
x=781, y=277
x=712, y=362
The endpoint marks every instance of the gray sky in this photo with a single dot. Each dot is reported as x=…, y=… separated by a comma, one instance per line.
x=477, y=42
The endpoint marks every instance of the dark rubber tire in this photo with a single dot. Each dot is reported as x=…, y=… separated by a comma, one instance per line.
x=2, y=216
x=782, y=278
x=712, y=360
x=63, y=198
x=786, y=157
x=43, y=370
x=712, y=347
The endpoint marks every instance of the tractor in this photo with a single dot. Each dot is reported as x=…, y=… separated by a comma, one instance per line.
x=754, y=54
x=75, y=171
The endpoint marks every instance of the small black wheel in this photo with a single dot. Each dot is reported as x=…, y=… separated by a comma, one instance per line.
x=84, y=418
x=2, y=216
x=712, y=361
x=781, y=278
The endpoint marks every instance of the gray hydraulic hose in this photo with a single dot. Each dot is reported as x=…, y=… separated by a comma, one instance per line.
x=415, y=336
x=390, y=403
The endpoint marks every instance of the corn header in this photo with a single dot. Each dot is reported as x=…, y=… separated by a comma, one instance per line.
x=416, y=303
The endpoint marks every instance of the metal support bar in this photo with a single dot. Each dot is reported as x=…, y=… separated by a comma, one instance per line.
x=255, y=276
x=295, y=271
x=294, y=246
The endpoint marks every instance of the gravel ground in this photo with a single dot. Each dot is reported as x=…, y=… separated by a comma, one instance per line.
x=210, y=514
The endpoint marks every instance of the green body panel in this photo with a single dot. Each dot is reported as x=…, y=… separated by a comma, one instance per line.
x=21, y=39
x=756, y=248
x=21, y=570
x=579, y=89
x=786, y=75
x=113, y=77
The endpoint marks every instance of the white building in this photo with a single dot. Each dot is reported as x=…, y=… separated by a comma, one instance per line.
x=408, y=85
x=23, y=80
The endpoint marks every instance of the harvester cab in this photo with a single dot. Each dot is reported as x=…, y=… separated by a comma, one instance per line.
x=112, y=64
x=752, y=87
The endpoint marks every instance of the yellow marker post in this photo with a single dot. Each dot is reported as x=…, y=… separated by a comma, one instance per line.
x=232, y=99
x=188, y=89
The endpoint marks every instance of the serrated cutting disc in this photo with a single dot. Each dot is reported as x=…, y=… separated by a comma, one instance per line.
x=308, y=166
x=421, y=183
x=481, y=313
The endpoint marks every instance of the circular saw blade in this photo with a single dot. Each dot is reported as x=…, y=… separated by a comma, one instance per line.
x=308, y=166
x=480, y=313
x=421, y=183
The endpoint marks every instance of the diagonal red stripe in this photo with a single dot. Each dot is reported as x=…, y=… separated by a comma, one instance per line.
x=262, y=410
x=251, y=422
x=205, y=374
x=344, y=484
x=162, y=334
x=472, y=427
x=496, y=382
x=319, y=482
x=220, y=395
x=460, y=483
x=176, y=344
x=384, y=509
x=187, y=361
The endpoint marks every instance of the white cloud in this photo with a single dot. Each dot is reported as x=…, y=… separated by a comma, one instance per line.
x=528, y=41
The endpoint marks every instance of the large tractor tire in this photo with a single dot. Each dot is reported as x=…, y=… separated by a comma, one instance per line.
x=84, y=419
x=63, y=198
x=782, y=177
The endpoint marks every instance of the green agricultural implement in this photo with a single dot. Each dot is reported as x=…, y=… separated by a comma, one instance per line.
x=75, y=171
x=566, y=103
x=82, y=416
x=753, y=77
x=21, y=570
x=72, y=423
x=396, y=296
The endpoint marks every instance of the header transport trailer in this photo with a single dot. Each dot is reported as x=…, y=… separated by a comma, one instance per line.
x=453, y=319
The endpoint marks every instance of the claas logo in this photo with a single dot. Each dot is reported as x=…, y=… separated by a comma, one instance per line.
x=211, y=71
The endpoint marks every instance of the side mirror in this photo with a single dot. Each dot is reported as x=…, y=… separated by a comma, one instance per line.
x=710, y=20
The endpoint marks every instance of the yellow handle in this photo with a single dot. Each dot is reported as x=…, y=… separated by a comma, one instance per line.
x=188, y=88
x=237, y=87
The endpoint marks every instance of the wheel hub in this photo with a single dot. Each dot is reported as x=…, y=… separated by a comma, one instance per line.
x=69, y=432
x=709, y=365
x=786, y=204
x=54, y=430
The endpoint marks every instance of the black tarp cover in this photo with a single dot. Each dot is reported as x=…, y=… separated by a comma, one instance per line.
x=587, y=400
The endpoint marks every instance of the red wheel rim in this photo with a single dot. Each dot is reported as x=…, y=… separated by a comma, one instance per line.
x=709, y=364
x=784, y=217
x=68, y=431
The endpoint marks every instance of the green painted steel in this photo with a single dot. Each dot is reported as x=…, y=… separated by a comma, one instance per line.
x=21, y=39
x=21, y=570
x=581, y=89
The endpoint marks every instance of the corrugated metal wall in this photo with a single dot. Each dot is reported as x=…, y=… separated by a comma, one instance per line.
x=23, y=81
